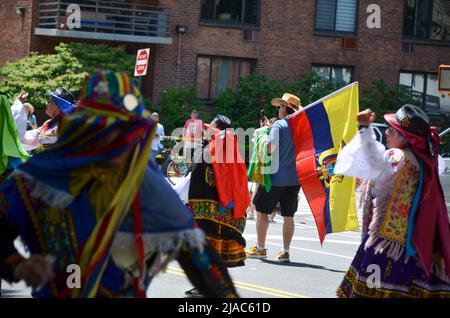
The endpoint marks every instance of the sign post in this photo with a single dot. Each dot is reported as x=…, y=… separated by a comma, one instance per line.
x=142, y=58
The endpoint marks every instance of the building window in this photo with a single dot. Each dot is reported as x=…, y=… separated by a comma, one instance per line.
x=336, y=73
x=230, y=11
x=423, y=87
x=336, y=15
x=215, y=74
x=427, y=19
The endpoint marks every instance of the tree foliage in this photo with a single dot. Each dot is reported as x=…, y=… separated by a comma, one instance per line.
x=254, y=93
x=176, y=106
x=39, y=74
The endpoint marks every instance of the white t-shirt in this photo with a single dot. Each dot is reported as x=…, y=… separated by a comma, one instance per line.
x=159, y=135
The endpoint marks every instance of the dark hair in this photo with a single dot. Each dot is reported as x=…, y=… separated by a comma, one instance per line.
x=222, y=122
x=290, y=111
x=64, y=94
x=194, y=111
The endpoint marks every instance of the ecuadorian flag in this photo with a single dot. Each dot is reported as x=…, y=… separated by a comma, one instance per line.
x=319, y=131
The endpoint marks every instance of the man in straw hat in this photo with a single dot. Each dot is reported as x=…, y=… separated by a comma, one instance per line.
x=285, y=183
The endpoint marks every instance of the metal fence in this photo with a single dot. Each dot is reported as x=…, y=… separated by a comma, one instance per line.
x=107, y=17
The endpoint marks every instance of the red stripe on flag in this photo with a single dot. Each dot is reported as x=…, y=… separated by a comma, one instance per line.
x=306, y=169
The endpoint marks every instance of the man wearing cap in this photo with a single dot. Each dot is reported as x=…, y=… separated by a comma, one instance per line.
x=157, y=146
x=60, y=101
x=284, y=179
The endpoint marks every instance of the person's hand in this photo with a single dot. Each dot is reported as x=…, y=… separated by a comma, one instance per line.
x=35, y=271
x=22, y=96
x=366, y=117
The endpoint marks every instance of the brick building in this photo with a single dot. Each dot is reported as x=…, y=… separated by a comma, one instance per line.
x=216, y=42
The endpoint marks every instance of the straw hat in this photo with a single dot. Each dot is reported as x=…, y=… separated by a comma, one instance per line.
x=288, y=100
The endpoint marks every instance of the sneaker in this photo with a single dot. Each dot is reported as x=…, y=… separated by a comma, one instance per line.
x=283, y=257
x=255, y=253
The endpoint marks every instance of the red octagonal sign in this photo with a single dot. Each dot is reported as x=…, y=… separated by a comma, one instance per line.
x=142, y=62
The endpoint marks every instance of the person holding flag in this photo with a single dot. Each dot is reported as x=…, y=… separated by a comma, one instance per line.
x=284, y=182
x=406, y=251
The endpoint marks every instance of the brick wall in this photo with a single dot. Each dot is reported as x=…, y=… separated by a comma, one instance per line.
x=283, y=45
x=286, y=44
x=15, y=30
x=198, y=40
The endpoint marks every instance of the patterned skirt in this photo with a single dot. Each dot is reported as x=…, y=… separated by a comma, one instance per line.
x=378, y=276
x=223, y=231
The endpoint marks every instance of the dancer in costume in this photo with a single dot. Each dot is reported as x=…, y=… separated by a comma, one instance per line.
x=218, y=194
x=94, y=200
x=12, y=154
x=61, y=101
x=408, y=239
x=11, y=151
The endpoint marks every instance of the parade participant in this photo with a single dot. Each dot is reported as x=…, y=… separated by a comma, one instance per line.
x=11, y=151
x=31, y=118
x=259, y=162
x=285, y=184
x=192, y=134
x=157, y=146
x=94, y=200
x=406, y=251
x=60, y=101
x=218, y=194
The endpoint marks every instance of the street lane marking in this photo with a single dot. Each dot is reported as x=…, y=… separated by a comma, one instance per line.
x=308, y=250
x=349, y=234
x=302, y=238
x=252, y=287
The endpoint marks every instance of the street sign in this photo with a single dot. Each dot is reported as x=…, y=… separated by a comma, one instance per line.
x=142, y=58
x=444, y=79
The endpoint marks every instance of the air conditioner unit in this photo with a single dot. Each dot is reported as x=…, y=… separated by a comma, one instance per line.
x=248, y=35
x=348, y=43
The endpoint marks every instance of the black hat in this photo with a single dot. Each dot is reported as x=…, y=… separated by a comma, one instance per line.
x=222, y=122
x=411, y=119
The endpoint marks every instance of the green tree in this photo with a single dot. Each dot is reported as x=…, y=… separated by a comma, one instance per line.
x=383, y=98
x=254, y=93
x=176, y=106
x=39, y=74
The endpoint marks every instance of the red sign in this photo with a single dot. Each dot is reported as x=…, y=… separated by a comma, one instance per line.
x=142, y=62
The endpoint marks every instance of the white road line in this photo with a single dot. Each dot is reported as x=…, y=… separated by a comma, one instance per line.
x=309, y=250
x=302, y=238
x=355, y=235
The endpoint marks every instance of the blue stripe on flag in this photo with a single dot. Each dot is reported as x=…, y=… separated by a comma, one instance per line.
x=320, y=126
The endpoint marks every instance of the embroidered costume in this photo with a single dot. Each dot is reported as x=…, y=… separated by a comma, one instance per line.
x=393, y=211
x=120, y=221
x=218, y=197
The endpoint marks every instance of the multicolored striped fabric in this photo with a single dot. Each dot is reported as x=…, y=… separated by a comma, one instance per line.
x=111, y=125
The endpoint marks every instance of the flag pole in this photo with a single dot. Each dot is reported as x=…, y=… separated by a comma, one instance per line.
x=328, y=96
